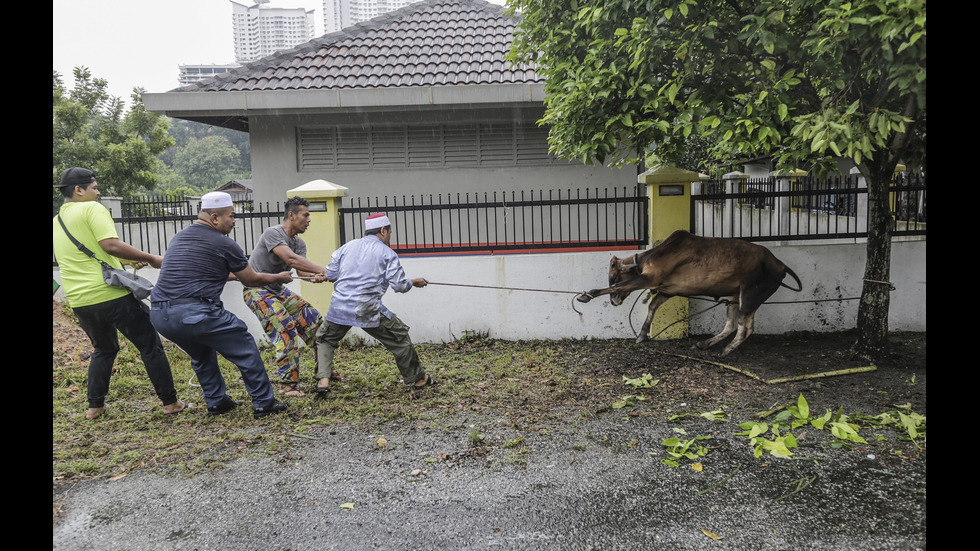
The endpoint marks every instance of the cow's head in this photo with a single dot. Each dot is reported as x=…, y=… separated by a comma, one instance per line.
x=621, y=269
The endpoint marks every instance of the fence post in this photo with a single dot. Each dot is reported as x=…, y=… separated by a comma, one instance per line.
x=787, y=181
x=893, y=196
x=862, y=200
x=734, y=182
x=669, y=192
x=114, y=204
x=323, y=236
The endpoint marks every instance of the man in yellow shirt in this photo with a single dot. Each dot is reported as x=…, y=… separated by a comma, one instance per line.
x=102, y=310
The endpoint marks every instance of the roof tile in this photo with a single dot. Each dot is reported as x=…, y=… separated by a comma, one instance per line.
x=432, y=42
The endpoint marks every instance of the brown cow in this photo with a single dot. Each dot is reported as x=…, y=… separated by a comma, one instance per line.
x=687, y=265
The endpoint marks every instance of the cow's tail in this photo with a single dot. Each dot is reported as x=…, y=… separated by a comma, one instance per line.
x=799, y=284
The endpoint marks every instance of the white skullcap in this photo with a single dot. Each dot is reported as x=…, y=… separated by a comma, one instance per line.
x=376, y=220
x=215, y=200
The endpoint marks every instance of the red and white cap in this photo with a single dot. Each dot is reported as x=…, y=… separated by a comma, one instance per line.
x=376, y=220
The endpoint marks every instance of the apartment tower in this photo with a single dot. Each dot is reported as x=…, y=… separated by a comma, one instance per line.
x=261, y=30
x=339, y=14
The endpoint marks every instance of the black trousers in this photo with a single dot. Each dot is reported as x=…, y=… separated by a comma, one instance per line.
x=131, y=318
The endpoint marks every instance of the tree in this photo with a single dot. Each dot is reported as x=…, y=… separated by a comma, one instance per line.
x=184, y=131
x=92, y=131
x=208, y=162
x=804, y=81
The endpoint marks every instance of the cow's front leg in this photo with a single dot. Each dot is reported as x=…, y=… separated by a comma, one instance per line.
x=746, y=324
x=729, y=328
x=655, y=303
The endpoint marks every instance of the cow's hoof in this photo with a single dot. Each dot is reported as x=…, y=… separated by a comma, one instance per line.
x=584, y=297
x=642, y=339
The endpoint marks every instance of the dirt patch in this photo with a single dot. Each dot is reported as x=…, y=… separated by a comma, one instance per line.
x=742, y=379
x=69, y=342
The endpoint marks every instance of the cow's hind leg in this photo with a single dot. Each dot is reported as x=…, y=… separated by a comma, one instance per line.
x=727, y=330
x=655, y=302
x=746, y=324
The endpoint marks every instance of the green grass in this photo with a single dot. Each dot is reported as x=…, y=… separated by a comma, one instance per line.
x=523, y=381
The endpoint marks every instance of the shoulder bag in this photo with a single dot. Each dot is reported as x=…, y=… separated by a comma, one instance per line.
x=139, y=286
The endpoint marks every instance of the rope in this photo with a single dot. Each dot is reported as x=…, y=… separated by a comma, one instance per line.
x=576, y=293
x=719, y=302
x=506, y=288
x=630, y=315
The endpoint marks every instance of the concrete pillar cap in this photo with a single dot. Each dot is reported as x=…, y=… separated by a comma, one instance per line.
x=317, y=189
x=736, y=175
x=796, y=172
x=666, y=174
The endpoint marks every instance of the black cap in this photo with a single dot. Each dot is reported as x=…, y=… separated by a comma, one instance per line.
x=76, y=176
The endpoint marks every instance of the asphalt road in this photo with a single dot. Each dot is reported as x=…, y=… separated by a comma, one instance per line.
x=590, y=485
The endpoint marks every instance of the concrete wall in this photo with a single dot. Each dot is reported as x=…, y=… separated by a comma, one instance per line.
x=441, y=313
x=275, y=167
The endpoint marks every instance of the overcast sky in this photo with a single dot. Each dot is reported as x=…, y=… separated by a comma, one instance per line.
x=140, y=43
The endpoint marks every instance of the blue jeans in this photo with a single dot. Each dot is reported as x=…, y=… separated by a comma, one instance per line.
x=203, y=329
x=128, y=316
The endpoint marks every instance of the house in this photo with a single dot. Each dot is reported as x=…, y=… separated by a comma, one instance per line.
x=417, y=101
x=238, y=189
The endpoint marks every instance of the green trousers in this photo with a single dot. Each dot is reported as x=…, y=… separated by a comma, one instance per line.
x=392, y=333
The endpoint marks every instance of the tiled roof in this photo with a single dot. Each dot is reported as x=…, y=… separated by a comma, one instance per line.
x=428, y=43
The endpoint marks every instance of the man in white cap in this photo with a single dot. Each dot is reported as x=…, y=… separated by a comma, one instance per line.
x=362, y=270
x=187, y=308
x=101, y=309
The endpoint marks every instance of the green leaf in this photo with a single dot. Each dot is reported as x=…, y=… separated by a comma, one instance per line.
x=803, y=406
x=908, y=424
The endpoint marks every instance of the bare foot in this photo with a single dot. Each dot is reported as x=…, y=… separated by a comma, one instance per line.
x=92, y=413
x=176, y=407
x=291, y=391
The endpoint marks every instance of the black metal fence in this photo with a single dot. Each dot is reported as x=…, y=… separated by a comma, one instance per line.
x=148, y=223
x=506, y=221
x=756, y=210
x=152, y=233
x=805, y=208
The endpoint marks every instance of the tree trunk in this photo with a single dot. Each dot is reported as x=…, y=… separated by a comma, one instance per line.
x=872, y=319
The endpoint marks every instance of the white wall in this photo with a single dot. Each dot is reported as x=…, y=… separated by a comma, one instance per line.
x=440, y=313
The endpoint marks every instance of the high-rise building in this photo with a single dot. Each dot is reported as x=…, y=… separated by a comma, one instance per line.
x=261, y=30
x=190, y=74
x=338, y=14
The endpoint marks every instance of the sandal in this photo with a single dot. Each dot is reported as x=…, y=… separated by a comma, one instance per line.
x=321, y=390
x=334, y=376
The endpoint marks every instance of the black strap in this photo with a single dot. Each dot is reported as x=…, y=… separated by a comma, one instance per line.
x=81, y=247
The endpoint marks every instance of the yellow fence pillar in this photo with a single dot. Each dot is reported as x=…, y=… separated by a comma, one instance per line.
x=669, y=192
x=323, y=236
